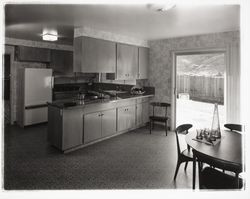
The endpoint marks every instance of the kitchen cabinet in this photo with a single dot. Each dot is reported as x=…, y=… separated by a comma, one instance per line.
x=143, y=63
x=94, y=55
x=74, y=127
x=142, y=112
x=126, y=117
x=99, y=124
x=145, y=112
x=62, y=61
x=139, y=115
x=65, y=127
x=92, y=127
x=32, y=54
x=127, y=62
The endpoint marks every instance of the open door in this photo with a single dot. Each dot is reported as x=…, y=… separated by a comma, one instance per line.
x=199, y=83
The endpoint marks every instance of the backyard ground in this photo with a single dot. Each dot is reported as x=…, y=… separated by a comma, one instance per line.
x=200, y=114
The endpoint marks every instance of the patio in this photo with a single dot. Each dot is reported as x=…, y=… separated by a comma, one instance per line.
x=200, y=114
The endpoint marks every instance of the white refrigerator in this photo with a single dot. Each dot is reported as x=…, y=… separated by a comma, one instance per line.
x=36, y=92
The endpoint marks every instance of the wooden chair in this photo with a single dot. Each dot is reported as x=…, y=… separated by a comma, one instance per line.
x=233, y=127
x=185, y=155
x=212, y=178
x=164, y=119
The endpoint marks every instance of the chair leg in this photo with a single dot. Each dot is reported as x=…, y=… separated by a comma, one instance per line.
x=185, y=168
x=177, y=168
x=150, y=126
x=166, y=127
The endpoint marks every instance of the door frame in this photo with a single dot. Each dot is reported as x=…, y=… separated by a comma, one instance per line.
x=10, y=50
x=174, y=55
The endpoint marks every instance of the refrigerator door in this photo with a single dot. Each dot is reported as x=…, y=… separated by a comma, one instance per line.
x=37, y=86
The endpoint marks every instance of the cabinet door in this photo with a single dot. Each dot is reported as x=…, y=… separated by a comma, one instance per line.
x=77, y=55
x=100, y=55
x=92, y=127
x=143, y=63
x=72, y=128
x=127, y=62
x=122, y=118
x=139, y=116
x=108, y=122
x=62, y=61
x=130, y=117
x=145, y=112
x=33, y=54
x=126, y=117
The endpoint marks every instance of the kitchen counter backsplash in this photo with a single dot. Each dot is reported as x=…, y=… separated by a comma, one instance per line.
x=70, y=91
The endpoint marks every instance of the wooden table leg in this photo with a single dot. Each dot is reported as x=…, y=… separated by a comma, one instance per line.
x=194, y=171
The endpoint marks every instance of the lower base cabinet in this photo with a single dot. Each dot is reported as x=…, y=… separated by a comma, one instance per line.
x=65, y=127
x=72, y=128
x=99, y=124
x=142, y=113
x=92, y=127
x=108, y=122
x=145, y=112
x=126, y=117
x=69, y=128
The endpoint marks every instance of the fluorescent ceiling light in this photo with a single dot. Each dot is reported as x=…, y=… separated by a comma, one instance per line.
x=49, y=35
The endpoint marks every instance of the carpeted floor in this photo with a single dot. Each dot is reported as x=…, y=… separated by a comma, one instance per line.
x=134, y=160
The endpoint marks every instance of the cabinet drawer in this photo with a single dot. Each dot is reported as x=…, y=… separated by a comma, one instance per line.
x=142, y=100
x=128, y=102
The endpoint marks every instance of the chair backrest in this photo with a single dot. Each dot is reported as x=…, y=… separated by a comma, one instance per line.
x=225, y=165
x=234, y=127
x=160, y=104
x=182, y=129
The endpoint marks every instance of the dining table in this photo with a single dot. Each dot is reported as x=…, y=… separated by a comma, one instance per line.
x=227, y=148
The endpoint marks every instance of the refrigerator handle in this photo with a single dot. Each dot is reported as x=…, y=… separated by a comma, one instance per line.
x=52, y=82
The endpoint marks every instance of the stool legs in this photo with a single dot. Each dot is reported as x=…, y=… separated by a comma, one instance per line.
x=166, y=127
x=150, y=126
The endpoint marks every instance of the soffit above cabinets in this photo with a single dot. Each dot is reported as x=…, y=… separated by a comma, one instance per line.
x=24, y=21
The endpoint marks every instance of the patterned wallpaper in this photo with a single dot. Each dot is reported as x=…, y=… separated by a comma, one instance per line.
x=160, y=69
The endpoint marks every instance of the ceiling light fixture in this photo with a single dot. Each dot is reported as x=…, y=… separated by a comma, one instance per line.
x=161, y=7
x=49, y=35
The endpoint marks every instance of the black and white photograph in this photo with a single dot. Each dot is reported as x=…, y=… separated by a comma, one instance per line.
x=113, y=97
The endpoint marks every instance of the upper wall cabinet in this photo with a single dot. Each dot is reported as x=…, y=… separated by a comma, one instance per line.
x=94, y=55
x=62, y=61
x=143, y=63
x=32, y=54
x=127, y=62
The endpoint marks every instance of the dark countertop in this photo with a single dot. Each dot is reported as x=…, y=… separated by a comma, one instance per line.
x=69, y=103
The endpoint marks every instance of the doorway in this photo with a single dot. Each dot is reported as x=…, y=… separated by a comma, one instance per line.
x=6, y=93
x=199, y=85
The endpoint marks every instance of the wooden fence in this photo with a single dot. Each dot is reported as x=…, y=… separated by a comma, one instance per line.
x=201, y=88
